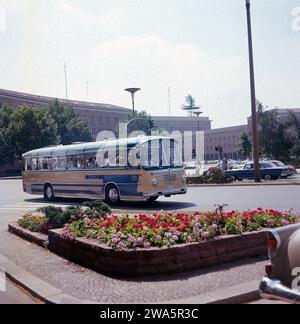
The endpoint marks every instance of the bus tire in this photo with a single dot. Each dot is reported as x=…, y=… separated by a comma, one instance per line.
x=112, y=195
x=48, y=193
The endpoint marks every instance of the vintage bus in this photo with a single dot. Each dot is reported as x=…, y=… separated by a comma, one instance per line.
x=141, y=168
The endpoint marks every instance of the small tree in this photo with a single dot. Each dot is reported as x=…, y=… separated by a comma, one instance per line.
x=141, y=122
x=70, y=127
x=246, y=146
x=275, y=138
x=31, y=129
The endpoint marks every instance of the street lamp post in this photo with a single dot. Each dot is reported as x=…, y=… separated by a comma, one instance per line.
x=132, y=91
x=253, y=95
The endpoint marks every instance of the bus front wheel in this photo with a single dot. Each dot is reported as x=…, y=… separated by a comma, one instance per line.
x=112, y=195
x=152, y=200
x=48, y=193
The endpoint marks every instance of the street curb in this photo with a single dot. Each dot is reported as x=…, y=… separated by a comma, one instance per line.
x=37, y=287
x=239, y=294
x=11, y=178
x=242, y=185
x=46, y=293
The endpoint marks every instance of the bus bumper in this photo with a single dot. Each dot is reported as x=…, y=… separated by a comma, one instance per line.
x=166, y=193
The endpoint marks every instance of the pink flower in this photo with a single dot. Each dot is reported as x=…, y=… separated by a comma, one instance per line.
x=175, y=238
x=121, y=245
x=285, y=223
x=205, y=234
x=147, y=245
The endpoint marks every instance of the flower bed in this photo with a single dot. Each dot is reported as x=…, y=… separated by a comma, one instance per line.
x=167, y=229
x=159, y=243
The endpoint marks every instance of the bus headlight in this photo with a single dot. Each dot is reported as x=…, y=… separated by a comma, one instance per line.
x=155, y=182
x=184, y=179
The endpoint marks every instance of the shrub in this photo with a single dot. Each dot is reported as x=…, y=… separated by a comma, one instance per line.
x=55, y=215
x=211, y=176
x=33, y=222
x=97, y=209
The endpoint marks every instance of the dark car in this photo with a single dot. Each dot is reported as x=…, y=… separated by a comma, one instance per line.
x=292, y=169
x=268, y=171
x=282, y=281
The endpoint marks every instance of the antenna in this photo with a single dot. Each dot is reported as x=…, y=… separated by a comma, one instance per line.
x=169, y=93
x=66, y=80
x=87, y=90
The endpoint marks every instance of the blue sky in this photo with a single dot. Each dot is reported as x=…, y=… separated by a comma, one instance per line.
x=193, y=46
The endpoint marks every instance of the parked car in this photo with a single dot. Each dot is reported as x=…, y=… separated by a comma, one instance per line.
x=268, y=171
x=291, y=168
x=282, y=280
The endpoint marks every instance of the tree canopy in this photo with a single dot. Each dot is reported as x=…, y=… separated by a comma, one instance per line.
x=277, y=138
x=246, y=145
x=140, y=122
x=27, y=128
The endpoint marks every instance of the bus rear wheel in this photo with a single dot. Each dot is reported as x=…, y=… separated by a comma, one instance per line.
x=48, y=193
x=112, y=195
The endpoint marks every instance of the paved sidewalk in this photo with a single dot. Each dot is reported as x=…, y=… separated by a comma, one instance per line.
x=83, y=283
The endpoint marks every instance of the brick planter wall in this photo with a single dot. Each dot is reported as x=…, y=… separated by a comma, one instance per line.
x=37, y=238
x=156, y=261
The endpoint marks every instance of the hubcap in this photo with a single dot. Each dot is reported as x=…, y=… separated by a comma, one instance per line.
x=113, y=195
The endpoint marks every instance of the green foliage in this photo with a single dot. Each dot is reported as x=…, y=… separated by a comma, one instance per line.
x=212, y=176
x=27, y=128
x=141, y=122
x=31, y=128
x=277, y=137
x=6, y=147
x=99, y=206
x=32, y=222
x=246, y=146
x=55, y=215
x=70, y=127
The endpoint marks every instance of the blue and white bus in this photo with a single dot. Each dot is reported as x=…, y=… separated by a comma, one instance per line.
x=136, y=169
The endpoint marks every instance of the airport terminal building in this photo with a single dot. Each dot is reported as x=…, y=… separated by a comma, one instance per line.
x=102, y=117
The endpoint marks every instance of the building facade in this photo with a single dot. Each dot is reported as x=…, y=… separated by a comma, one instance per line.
x=106, y=117
x=101, y=117
x=230, y=140
x=183, y=124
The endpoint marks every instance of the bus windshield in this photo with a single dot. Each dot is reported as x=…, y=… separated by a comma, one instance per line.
x=160, y=154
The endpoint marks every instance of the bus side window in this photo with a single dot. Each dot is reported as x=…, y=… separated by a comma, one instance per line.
x=59, y=163
x=34, y=164
x=26, y=164
x=90, y=161
x=75, y=162
x=45, y=163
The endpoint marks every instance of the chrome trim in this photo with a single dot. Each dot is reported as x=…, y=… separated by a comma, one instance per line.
x=165, y=193
x=274, y=289
x=278, y=239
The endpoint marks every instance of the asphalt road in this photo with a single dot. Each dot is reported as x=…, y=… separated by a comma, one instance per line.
x=200, y=198
x=14, y=295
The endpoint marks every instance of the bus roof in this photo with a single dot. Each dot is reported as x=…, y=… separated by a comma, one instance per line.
x=90, y=147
